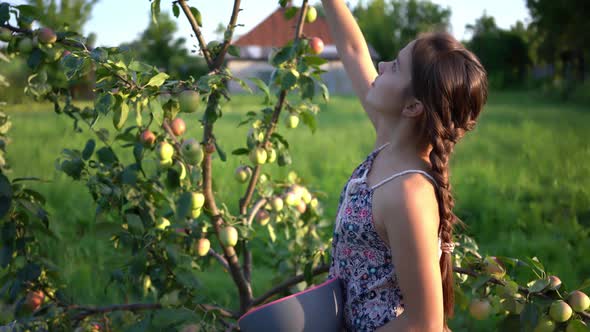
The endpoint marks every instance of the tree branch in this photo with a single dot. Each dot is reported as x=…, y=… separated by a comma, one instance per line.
x=219, y=258
x=244, y=201
x=89, y=311
x=226, y=42
x=244, y=288
x=222, y=311
x=193, y=22
x=288, y=283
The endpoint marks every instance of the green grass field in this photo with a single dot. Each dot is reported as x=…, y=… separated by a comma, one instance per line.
x=521, y=180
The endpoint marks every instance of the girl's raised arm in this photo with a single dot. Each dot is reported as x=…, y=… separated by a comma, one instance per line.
x=353, y=51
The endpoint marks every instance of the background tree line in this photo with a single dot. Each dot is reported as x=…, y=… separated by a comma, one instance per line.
x=548, y=52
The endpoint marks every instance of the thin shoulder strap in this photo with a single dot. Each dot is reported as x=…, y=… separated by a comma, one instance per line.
x=381, y=147
x=404, y=173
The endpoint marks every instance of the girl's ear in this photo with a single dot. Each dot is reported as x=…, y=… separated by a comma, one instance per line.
x=413, y=109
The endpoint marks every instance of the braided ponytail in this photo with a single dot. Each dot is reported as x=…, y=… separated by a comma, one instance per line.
x=451, y=84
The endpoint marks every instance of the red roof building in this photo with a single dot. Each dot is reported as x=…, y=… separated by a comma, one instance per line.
x=276, y=31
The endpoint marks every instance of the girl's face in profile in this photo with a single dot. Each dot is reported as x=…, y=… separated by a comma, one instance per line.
x=389, y=92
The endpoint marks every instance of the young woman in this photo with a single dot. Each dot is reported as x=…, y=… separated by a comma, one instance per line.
x=393, y=236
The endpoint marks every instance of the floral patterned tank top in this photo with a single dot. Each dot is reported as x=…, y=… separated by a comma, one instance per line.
x=361, y=259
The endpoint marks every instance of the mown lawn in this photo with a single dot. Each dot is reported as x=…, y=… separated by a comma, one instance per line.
x=521, y=181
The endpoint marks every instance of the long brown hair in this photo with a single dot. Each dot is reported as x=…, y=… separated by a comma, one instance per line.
x=452, y=85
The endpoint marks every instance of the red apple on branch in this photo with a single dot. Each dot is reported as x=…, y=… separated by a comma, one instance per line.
x=317, y=45
x=178, y=126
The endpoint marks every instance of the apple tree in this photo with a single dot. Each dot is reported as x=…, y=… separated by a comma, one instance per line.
x=155, y=201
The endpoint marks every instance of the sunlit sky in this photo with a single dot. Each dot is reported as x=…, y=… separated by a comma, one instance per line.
x=117, y=21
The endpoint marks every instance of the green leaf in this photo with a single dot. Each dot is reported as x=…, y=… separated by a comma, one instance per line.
x=240, y=151
x=529, y=316
x=197, y=14
x=284, y=158
x=183, y=206
x=280, y=139
x=155, y=11
x=290, y=12
x=72, y=65
x=325, y=92
x=121, y=112
x=243, y=84
x=129, y=175
x=187, y=278
x=283, y=3
x=281, y=56
x=289, y=79
x=175, y=9
x=220, y=152
x=539, y=284
x=307, y=87
x=4, y=12
x=5, y=195
x=5, y=255
x=88, y=149
x=310, y=120
x=536, y=263
x=307, y=273
x=577, y=325
x=29, y=272
x=234, y=50
x=480, y=281
x=106, y=229
x=103, y=103
x=99, y=54
x=158, y=80
x=585, y=284
x=271, y=233
x=106, y=155
x=139, y=67
x=134, y=223
x=314, y=60
x=262, y=86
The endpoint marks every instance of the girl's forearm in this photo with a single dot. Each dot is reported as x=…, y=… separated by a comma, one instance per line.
x=344, y=29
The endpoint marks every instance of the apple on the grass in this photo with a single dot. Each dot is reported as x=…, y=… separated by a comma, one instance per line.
x=317, y=45
x=228, y=236
x=165, y=151
x=192, y=151
x=178, y=126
